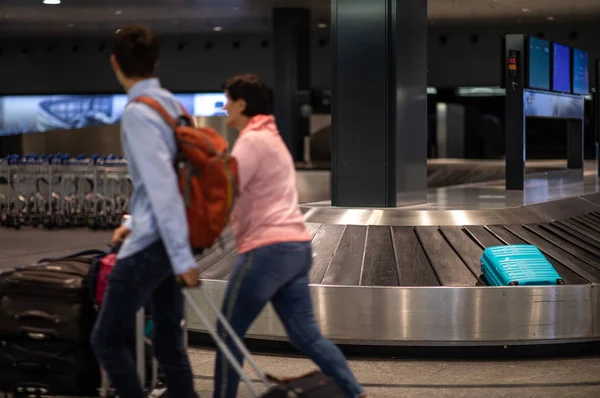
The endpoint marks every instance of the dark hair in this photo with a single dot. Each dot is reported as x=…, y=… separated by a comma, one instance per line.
x=136, y=50
x=253, y=90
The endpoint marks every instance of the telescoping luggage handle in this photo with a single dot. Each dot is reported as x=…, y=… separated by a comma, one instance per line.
x=221, y=344
x=85, y=253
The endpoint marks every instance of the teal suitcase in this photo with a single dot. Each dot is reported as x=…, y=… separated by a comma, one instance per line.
x=517, y=265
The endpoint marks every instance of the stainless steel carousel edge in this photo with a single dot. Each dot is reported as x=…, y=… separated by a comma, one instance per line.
x=437, y=315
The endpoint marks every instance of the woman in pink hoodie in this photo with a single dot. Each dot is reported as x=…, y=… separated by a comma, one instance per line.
x=272, y=240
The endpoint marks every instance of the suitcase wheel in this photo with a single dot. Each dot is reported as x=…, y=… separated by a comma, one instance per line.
x=31, y=391
x=513, y=283
x=560, y=282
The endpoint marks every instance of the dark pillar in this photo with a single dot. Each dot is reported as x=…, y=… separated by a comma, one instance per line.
x=514, y=112
x=574, y=144
x=379, y=102
x=292, y=63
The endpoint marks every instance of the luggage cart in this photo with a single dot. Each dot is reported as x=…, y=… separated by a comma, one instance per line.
x=56, y=191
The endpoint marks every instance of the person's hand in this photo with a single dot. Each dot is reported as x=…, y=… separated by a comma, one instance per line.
x=119, y=235
x=190, y=278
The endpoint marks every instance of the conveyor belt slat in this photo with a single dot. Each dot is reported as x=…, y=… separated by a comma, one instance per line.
x=483, y=237
x=589, y=225
x=581, y=228
x=346, y=264
x=220, y=269
x=469, y=252
x=325, y=244
x=595, y=215
x=573, y=273
x=591, y=220
x=578, y=232
x=217, y=253
x=412, y=264
x=450, y=269
x=566, y=246
x=313, y=228
x=572, y=238
x=379, y=266
x=505, y=235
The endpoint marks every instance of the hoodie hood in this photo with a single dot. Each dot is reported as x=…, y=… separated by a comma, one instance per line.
x=261, y=123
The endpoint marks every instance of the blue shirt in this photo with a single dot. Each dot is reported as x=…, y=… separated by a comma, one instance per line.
x=156, y=207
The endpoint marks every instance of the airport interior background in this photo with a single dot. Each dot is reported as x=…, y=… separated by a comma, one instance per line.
x=418, y=143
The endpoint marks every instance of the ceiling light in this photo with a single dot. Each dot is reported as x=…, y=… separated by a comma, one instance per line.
x=217, y=28
x=550, y=18
x=118, y=12
x=525, y=10
x=52, y=2
x=322, y=25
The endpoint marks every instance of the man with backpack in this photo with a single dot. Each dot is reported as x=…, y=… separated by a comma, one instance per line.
x=155, y=254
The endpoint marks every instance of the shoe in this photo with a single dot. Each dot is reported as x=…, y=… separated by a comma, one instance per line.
x=158, y=393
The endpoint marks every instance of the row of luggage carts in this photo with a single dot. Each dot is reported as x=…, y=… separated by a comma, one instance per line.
x=60, y=191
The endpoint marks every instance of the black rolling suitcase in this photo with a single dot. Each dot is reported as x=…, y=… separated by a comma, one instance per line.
x=46, y=318
x=312, y=385
x=30, y=367
x=50, y=299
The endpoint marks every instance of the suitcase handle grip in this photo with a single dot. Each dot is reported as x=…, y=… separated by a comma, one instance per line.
x=37, y=334
x=38, y=314
x=85, y=253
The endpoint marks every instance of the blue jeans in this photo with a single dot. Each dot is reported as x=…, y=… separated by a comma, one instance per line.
x=279, y=274
x=143, y=279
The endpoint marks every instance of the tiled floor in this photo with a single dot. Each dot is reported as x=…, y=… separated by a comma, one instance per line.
x=579, y=377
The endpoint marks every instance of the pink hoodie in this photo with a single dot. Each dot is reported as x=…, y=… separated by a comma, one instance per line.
x=266, y=210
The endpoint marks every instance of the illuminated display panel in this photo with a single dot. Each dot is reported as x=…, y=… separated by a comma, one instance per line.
x=561, y=68
x=581, y=84
x=539, y=64
x=31, y=113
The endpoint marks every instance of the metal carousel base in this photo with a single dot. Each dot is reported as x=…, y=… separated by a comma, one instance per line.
x=439, y=315
x=410, y=276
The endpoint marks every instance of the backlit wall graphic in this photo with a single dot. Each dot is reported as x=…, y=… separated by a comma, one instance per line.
x=29, y=114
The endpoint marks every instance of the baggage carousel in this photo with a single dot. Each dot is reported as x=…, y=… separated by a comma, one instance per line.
x=411, y=276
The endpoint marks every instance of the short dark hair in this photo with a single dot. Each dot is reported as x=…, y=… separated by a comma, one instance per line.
x=253, y=90
x=137, y=50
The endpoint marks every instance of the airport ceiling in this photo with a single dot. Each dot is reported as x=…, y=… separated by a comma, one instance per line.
x=79, y=17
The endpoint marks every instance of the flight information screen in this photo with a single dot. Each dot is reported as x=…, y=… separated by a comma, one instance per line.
x=539, y=64
x=561, y=68
x=581, y=84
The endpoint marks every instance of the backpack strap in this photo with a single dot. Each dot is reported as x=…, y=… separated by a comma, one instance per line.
x=154, y=104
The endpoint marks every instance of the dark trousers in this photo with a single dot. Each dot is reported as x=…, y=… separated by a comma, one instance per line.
x=143, y=279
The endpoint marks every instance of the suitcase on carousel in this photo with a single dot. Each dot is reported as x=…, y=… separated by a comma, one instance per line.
x=311, y=385
x=517, y=265
x=49, y=300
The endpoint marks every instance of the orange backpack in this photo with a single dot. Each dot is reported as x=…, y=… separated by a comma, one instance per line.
x=207, y=176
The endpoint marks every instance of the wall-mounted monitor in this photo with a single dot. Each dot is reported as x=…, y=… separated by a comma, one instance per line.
x=581, y=83
x=561, y=68
x=538, y=68
x=30, y=114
